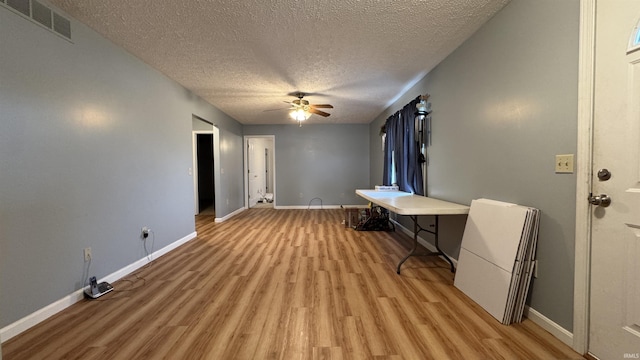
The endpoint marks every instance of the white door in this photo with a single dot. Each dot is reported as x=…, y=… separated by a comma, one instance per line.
x=614, y=330
x=256, y=169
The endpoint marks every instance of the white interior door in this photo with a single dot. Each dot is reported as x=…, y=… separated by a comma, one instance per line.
x=614, y=330
x=256, y=169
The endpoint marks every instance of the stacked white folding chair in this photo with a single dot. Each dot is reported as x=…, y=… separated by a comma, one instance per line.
x=497, y=257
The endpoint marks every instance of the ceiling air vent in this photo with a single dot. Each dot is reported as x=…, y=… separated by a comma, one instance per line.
x=41, y=14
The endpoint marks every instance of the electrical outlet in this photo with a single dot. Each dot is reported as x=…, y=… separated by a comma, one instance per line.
x=145, y=232
x=87, y=254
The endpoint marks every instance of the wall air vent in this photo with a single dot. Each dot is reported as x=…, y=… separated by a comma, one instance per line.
x=40, y=14
x=21, y=6
x=62, y=25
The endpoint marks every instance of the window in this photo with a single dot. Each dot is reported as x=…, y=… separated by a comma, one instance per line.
x=634, y=39
x=402, y=151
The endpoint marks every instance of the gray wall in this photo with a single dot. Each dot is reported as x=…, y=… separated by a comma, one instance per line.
x=198, y=124
x=229, y=189
x=228, y=173
x=230, y=197
x=504, y=104
x=94, y=145
x=325, y=161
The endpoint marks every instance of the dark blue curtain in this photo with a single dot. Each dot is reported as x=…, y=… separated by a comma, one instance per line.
x=401, y=143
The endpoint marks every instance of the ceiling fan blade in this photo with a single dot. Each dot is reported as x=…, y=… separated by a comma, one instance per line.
x=318, y=112
x=322, y=106
x=279, y=109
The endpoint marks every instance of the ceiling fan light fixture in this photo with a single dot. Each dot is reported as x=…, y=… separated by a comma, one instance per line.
x=302, y=110
x=299, y=114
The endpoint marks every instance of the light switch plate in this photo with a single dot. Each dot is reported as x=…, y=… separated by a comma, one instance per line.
x=564, y=164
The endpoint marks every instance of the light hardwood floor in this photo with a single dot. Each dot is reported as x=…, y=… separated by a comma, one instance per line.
x=285, y=284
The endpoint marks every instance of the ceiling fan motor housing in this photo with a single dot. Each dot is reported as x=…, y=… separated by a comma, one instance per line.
x=304, y=105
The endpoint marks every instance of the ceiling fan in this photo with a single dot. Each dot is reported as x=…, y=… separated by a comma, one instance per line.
x=301, y=109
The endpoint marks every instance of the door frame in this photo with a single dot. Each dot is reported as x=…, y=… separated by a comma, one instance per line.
x=246, y=167
x=216, y=165
x=586, y=92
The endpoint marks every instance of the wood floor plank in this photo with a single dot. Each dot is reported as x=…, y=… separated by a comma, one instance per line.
x=410, y=345
x=354, y=342
x=453, y=332
x=285, y=284
x=374, y=328
x=272, y=338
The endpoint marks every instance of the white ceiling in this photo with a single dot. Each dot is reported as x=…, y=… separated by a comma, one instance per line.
x=248, y=56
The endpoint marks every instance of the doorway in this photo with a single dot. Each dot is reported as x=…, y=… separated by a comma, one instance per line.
x=204, y=174
x=260, y=171
x=206, y=167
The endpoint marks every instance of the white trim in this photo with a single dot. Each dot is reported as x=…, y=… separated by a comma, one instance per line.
x=305, y=207
x=115, y=276
x=296, y=207
x=222, y=219
x=216, y=165
x=422, y=241
x=194, y=171
x=37, y=317
x=554, y=329
x=44, y=313
x=246, y=166
x=582, y=270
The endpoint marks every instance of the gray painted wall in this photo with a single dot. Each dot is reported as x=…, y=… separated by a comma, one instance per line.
x=504, y=104
x=94, y=145
x=231, y=195
x=325, y=161
x=200, y=125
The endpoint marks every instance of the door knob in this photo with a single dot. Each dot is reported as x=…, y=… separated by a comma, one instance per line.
x=599, y=200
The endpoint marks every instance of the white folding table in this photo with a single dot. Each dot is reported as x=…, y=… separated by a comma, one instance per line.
x=411, y=205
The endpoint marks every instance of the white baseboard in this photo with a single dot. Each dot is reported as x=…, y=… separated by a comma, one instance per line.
x=38, y=316
x=544, y=322
x=222, y=219
x=294, y=207
x=422, y=241
x=144, y=261
x=305, y=207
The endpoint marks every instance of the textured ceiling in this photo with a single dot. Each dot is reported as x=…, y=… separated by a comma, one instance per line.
x=248, y=56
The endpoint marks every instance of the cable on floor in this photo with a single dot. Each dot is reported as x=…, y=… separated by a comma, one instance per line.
x=315, y=198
